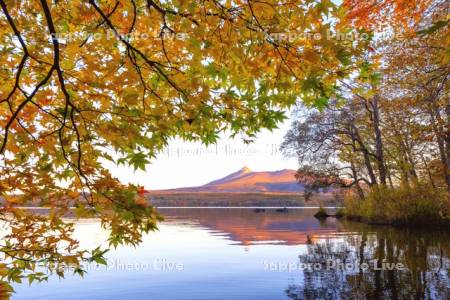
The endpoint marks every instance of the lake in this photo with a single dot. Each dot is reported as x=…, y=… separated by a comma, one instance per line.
x=237, y=253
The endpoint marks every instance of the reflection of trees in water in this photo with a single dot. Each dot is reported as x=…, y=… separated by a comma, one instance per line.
x=424, y=254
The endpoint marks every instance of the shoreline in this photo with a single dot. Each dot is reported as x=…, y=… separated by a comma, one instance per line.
x=356, y=219
x=207, y=207
x=362, y=220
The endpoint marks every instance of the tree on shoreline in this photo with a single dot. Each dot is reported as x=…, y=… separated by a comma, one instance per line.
x=393, y=127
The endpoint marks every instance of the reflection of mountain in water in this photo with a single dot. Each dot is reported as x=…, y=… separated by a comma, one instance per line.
x=248, y=227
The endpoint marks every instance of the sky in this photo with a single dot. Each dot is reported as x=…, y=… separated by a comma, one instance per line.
x=184, y=164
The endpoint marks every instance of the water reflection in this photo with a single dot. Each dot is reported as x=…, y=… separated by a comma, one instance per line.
x=375, y=263
x=247, y=227
x=243, y=254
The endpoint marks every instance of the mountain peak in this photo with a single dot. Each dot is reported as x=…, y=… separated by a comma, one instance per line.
x=245, y=170
x=247, y=181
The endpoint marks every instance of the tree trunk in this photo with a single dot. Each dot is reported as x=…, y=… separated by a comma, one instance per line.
x=428, y=171
x=378, y=140
x=447, y=171
x=391, y=184
x=356, y=178
x=440, y=136
x=356, y=137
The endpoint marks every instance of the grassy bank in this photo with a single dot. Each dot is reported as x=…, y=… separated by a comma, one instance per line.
x=420, y=204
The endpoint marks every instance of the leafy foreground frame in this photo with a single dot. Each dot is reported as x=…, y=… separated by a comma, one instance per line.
x=80, y=85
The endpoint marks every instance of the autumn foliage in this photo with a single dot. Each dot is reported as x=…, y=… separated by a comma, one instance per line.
x=84, y=82
x=390, y=134
x=380, y=14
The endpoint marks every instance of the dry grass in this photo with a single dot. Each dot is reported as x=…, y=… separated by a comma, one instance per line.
x=413, y=205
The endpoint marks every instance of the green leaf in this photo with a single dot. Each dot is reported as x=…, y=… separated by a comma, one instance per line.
x=139, y=161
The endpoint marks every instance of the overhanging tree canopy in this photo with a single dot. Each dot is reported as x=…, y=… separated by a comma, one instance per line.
x=82, y=81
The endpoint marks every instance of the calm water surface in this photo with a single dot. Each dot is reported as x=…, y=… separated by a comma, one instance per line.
x=241, y=254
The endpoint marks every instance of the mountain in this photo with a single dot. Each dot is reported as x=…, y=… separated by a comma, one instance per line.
x=247, y=181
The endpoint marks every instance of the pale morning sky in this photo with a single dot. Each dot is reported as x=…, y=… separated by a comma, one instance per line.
x=185, y=164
